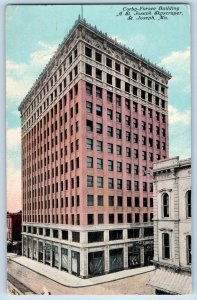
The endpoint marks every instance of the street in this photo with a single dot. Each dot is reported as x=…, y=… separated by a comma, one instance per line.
x=38, y=284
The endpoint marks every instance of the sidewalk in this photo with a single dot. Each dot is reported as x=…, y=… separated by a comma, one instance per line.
x=70, y=280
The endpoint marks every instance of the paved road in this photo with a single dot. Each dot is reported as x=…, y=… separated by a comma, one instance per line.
x=38, y=283
x=20, y=286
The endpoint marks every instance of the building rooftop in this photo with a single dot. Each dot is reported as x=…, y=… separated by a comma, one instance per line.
x=82, y=22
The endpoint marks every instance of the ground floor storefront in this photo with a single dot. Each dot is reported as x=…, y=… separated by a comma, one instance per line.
x=92, y=260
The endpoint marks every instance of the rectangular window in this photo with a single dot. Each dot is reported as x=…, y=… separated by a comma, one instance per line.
x=118, y=133
x=89, y=107
x=144, y=186
x=88, y=69
x=189, y=249
x=119, y=150
x=137, y=218
x=129, y=201
x=88, y=51
x=128, y=120
x=110, y=183
x=135, y=90
x=127, y=71
x=89, y=144
x=110, y=165
x=148, y=231
x=133, y=233
x=111, y=200
x=119, y=200
x=117, y=66
x=90, y=219
x=95, y=236
x=99, y=163
x=98, y=56
x=89, y=181
x=109, y=62
x=99, y=110
x=99, y=128
x=100, y=219
x=127, y=103
x=111, y=218
x=99, y=92
x=109, y=79
x=64, y=234
x=128, y=185
x=109, y=114
x=89, y=125
x=127, y=87
x=135, y=138
x=128, y=136
x=115, y=235
x=110, y=148
x=128, y=168
x=145, y=217
x=98, y=74
x=137, y=202
x=119, y=184
x=118, y=117
x=128, y=152
x=145, y=202
x=118, y=83
x=99, y=146
x=118, y=100
x=100, y=182
x=89, y=162
x=110, y=131
x=109, y=96
x=88, y=88
x=76, y=237
x=166, y=245
x=134, y=75
x=135, y=153
x=100, y=200
x=90, y=200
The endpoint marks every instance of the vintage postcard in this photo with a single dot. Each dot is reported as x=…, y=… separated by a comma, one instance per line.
x=98, y=149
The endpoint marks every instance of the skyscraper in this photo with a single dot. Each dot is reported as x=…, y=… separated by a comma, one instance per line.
x=92, y=125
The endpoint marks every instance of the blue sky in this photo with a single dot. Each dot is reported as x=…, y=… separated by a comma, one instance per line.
x=33, y=33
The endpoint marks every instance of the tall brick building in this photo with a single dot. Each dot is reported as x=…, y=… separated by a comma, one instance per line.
x=92, y=124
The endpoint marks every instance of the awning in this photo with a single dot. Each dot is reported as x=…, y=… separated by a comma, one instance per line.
x=171, y=282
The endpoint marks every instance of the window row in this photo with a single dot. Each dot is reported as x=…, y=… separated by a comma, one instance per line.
x=167, y=247
x=166, y=205
x=119, y=184
x=128, y=72
x=119, y=201
x=118, y=83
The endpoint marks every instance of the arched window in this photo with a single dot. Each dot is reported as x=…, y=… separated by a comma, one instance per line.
x=165, y=205
x=165, y=245
x=188, y=204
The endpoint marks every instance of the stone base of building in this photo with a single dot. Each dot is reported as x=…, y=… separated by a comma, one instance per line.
x=87, y=252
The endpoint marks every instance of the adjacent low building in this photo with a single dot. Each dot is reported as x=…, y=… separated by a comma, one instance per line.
x=172, y=227
x=14, y=221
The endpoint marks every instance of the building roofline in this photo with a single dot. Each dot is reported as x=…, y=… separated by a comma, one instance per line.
x=83, y=22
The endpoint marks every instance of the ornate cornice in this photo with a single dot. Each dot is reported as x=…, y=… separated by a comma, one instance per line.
x=79, y=30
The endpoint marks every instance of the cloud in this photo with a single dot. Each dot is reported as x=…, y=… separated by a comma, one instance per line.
x=178, y=63
x=177, y=116
x=21, y=76
x=13, y=140
x=43, y=54
x=136, y=41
